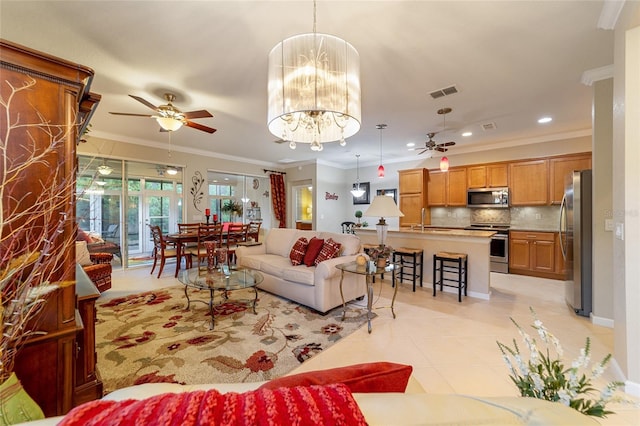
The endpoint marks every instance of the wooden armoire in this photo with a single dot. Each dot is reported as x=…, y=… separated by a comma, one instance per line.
x=45, y=99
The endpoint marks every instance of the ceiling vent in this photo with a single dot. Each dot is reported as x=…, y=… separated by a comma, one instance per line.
x=489, y=126
x=444, y=92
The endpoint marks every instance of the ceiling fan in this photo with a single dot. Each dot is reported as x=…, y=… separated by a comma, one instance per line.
x=171, y=118
x=432, y=145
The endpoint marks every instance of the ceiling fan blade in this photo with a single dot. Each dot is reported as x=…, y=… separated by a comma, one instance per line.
x=199, y=127
x=447, y=143
x=133, y=115
x=423, y=151
x=145, y=102
x=439, y=148
x=197, y=114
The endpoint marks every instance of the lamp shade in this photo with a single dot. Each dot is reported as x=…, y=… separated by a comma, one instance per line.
x=383, y=206
x=314, y=89
x=444, y=164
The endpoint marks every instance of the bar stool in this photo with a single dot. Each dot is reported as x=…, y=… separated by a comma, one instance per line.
x=410, y=261
x=449, y=264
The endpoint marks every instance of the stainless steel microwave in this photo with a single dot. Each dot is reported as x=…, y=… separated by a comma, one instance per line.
x=488, y=197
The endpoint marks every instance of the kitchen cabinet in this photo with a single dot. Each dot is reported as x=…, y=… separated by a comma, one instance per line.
x=413, y=196
x=437, y=188
x=529, y=184
x=57, y=93
x=533, y=253
x=448, y=188
x=559, y=168
x=488, y=176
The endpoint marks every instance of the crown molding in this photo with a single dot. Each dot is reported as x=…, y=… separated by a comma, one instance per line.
x=610, y=13
x=591, y=76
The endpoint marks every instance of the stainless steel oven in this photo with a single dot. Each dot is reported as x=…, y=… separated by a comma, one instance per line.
x=498, y=246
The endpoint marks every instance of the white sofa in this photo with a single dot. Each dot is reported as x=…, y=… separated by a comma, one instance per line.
x=317, y=287
x=414, y=407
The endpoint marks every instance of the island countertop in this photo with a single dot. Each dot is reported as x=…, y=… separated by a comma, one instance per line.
x=431, y=240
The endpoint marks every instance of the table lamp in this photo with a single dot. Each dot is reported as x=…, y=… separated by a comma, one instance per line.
x=383, y=206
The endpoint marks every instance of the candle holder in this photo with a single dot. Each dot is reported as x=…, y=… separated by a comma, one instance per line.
x=208, y=216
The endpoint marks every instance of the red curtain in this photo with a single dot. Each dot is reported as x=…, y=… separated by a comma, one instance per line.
x=279, y=198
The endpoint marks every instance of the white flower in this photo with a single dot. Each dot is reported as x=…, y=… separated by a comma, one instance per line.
x=537, y=382
x=564, y=396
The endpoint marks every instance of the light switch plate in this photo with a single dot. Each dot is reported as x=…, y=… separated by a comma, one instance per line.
x=620, y=231
x=608, y=224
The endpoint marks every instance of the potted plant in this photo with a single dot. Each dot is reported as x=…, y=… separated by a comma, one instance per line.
x=380, y=255
x=232, y=207
x=358, y=215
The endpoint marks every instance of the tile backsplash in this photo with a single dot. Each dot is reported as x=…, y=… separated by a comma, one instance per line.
x=543, y=218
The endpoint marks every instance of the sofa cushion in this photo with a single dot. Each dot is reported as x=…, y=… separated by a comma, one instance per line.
x=298, y=251
x=330, y=249
x=331, y=404
x=350, y=243
x=315, y=245
x=360, y=378
x=300, y=274
x=280, y=240
x=275, y=266
x=83, y=258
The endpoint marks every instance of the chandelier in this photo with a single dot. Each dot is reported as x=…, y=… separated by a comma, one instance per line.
x=314, y=89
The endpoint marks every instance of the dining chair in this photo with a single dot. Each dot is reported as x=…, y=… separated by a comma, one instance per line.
x=161, y=250
x=188, y=228
x=348, y=227
x=237, y=233
x=254, y=231
x=206, y=232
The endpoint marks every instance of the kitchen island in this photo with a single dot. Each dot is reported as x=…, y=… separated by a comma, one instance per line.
x=434, y=239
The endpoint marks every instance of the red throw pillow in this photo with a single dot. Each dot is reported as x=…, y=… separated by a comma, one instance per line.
x=298, y=250
x=360, y=378
x=312, y=405
x=330, y=249
x=315, y=245
x=83, y=236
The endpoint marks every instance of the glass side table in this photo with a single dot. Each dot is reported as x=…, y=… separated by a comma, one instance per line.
x=369, y=270
x=235, y=279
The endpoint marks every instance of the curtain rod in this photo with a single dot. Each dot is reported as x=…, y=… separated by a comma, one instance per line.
x=274, y=171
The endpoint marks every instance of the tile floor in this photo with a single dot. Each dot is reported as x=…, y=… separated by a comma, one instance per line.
x=451, y=346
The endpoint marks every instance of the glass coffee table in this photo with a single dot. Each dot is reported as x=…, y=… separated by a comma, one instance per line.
x=233, y=279
x=369, y=270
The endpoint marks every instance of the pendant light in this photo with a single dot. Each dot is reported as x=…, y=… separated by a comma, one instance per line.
x=381, y=127
x=444, y=164
x=357, y=191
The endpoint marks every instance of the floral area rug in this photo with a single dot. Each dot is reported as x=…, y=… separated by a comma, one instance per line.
x=151, y=337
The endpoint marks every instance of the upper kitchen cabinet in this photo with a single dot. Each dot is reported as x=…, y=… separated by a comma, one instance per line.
x=448, y=188
x=529, y=183
x=413, y=196
x=488, y=176
x=559, y=168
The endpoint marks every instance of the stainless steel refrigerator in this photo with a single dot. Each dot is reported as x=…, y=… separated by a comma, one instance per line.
x=576, y=240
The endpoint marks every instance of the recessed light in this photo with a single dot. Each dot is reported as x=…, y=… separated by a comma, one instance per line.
x=467, y=134
x=544, y=120
x=411, y=145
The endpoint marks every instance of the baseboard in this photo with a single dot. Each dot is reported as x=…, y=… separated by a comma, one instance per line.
x=483, y=296
x=601, y=321
x=632, y=388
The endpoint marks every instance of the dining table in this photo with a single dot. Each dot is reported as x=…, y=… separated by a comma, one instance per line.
x=180, y=240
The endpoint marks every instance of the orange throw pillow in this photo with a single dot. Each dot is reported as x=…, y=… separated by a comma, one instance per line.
x=315, y=245
x=360, y=378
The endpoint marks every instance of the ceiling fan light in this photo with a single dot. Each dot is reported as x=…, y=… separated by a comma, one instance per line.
x=169, y=124
x=105, y=170
x=444, y=164
x=172, y=171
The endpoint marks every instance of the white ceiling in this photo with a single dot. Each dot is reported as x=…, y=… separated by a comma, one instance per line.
x=512, y=62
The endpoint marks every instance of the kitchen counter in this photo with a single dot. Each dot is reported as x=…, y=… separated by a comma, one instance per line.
x=434, y=239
